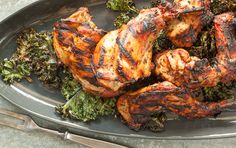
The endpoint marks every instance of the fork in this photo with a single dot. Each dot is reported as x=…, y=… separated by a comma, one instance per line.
x=29, y=125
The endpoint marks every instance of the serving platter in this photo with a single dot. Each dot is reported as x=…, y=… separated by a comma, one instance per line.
x=41, y=101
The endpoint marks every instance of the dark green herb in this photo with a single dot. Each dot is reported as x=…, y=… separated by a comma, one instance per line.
x=205, y=47
x=34, y=54
x=122, y=5
x=85, y=107
x=219, y=92
x=220, y=6
x=162, y=43
x=157, y=123
x=123, y=18
x=69, y=86
x=12, y=70
x=36, y=49
x=155, y=3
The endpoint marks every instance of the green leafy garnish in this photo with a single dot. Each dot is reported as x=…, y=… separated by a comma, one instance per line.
x=205, y=47
x=36, y=49
x=122, y=5
x=123, y=18
x=12, y=70
x=86, y=107
x=34, y=54
x=220, y=6
x=69, y=86
x=219, y=92
x=155, y=3
x=162, y=43
x=157, y=122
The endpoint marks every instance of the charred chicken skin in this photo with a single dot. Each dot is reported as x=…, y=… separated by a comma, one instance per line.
x=106, y=64
x=183, y=30
x=181, y=69
x=124, y=56
x=74, y=40
x=137, y=107
x=183, y=72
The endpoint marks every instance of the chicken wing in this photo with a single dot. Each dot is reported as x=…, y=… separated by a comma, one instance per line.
x=74, y=40
x=136, y=108
x=178, y=67
x=183, y=31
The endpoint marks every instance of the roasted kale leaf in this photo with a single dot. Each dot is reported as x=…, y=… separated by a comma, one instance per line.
x=122, y=5
x=86, y=107
x=70, y=86
x=220, y=6
x=34, y=54
x=12, y=70
x=123, y=18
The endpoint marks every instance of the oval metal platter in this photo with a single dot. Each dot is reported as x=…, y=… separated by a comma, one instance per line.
x=40, y=101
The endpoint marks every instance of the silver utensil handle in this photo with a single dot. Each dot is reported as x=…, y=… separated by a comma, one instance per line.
x=90, y=142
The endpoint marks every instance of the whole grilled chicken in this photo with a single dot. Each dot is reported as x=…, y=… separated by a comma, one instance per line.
x=183, y=30
x=124, y=56
x=74, y=40
x=181, y=69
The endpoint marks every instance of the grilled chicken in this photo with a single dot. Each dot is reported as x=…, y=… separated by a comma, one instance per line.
x=74, y=40
x=124, y=56
x=183, y=30
x=178, y=67
x=137, y=107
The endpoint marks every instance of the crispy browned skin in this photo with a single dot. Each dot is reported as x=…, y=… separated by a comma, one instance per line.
x=137, y=107
x=178, y=67
x=124, y=55
x=74, y=40
x=183, y=30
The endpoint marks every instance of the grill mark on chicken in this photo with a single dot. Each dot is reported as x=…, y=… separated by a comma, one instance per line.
x=80, y=52
x=148, y=25
x=128, y=49
x=124, y=52
x=120, y=71
x=167, y=95
x=92, y=80
x=74, y=49
x=74, y=40
x=229, y=35
x=132, y=30
x=86, y=68
x=65, y=27
x=102, y=52
x=195, y=73
x=61, y=39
